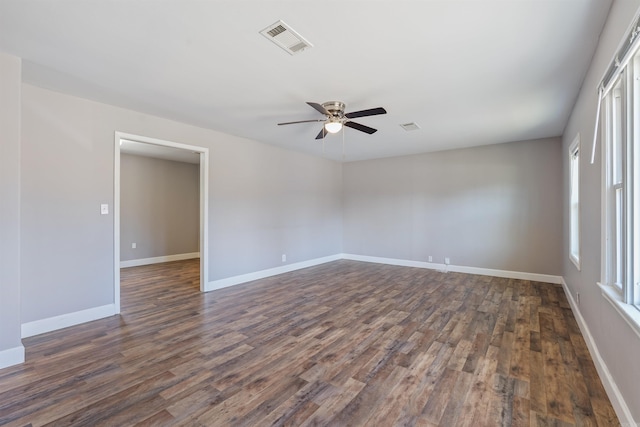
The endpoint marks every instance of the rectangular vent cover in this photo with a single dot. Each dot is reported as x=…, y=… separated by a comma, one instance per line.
x=285, y=37
x=410, y=126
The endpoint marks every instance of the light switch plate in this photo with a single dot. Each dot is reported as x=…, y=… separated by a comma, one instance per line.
x=104, y=209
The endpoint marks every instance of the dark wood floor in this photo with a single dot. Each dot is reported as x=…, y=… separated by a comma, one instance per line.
x=344, y=343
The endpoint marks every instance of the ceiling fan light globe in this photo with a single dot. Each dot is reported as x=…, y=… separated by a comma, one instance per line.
x=333, y=127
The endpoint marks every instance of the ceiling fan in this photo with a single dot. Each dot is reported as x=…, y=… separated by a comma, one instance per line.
x=336, y=118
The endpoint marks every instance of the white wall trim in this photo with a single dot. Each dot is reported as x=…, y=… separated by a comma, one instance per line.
x=629, y=313
x=243, y=278
x=617, y=400
x=37, y=327
x=11, y=356
x=536, y=277
x=547, y=278
x=116, y=222
x=395, y=261
x=158, y=259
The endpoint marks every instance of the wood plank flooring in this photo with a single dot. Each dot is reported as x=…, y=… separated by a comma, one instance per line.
x=343, y=343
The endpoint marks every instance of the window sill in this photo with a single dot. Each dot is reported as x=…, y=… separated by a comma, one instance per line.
x=575, y=261
x=628, y=312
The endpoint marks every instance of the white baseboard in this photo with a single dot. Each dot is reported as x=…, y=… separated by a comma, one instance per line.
x=158, y=259
x=547, y=278
x=11, y=356
x=536, y=277
x=616, y=398
x=395, y=261
x=38, y=327
x=243, y=278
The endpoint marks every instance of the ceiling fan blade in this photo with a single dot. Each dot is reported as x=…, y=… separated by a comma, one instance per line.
x=320, y=108
x=301, y=121
x=322, y=133
x=364, y=113
x=361, y=128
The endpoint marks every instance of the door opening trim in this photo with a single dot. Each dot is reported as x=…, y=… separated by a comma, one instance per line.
x=204, y=206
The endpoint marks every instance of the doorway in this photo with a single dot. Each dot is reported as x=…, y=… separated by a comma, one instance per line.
x=178, y=149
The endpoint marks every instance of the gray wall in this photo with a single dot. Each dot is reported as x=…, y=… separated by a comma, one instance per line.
x=270, y=202
x=159, y=207
x=10, y=75
x=263, y=201
x=266, y=201
x=497, y=206
x=619, y=346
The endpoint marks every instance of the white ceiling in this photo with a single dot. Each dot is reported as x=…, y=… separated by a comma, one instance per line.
x=468, y=72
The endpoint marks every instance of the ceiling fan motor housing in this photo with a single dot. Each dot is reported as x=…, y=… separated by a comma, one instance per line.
x=336, y=108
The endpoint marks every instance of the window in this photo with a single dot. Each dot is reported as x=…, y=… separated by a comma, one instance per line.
x=621, y=183
x=574, y=200
x=616, y=200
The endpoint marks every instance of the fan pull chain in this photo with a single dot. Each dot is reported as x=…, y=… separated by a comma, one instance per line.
x=343, y=156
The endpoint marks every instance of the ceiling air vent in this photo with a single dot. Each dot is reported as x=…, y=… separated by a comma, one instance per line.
x=410, y=126
x=285, y=37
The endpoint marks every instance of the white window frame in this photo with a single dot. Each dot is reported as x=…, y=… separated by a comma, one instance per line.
x=620, y=269
x=633, y=175
x=615, y=189
x=574, y=201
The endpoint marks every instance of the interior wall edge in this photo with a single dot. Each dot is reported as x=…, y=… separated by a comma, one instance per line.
x=10, y=210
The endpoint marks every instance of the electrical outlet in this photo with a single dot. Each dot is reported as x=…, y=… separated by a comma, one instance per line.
x=284, y=257
x=430, y=258
x=133, y=246
x=447, y=260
